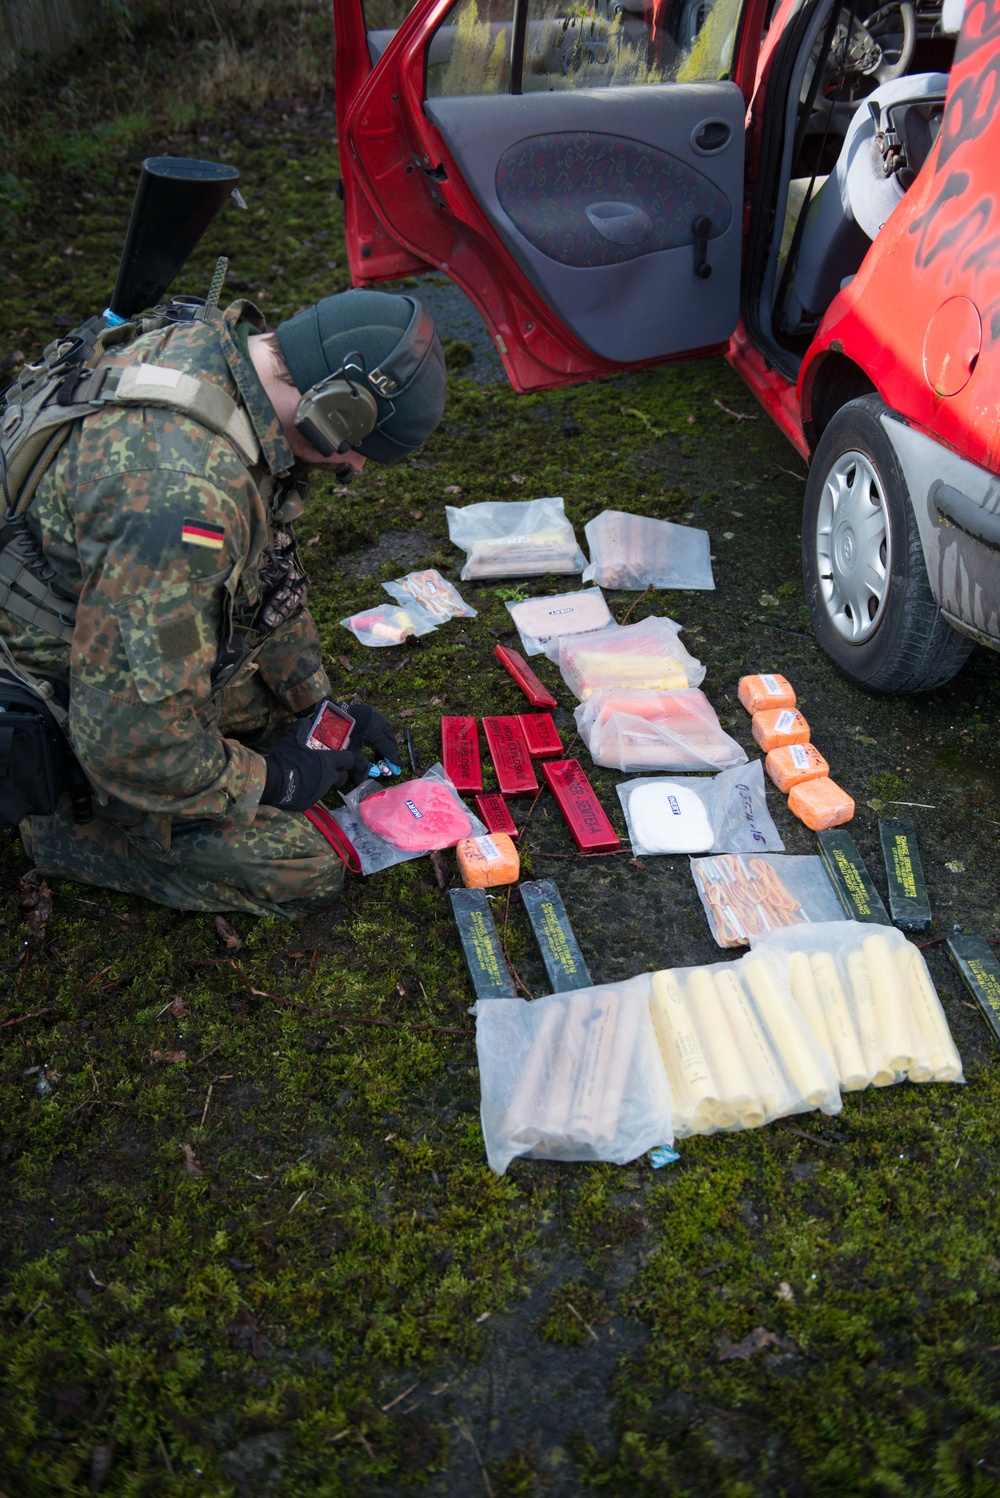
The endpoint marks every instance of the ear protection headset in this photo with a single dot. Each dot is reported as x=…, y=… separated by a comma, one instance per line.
x=339, y=412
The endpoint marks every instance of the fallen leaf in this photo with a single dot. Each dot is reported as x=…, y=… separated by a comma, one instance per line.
x=178, y=1008
x=245, y=1333
x=955, y=867
x=190, y=1161
x=784, y=1291
x=453, y=488
x=993, y=1264
x=636, y=863
x=485, y=1316
x=231, y=939
x=345, y=661
x=519, y=478
x=441, y=871
x=756, y=1341
x=340, y=489
x=313, y=541
x=417, y=514
x=36, y=899
x=171, y=1058
x=406, y=712
x=435, y=702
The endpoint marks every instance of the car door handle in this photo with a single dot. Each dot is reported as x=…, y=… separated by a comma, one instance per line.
x=621, y=223
x=701, y=229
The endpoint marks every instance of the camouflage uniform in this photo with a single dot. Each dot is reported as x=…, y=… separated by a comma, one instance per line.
x=162, y=533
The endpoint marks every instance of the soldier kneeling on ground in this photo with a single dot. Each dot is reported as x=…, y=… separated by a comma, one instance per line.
x=151, y=590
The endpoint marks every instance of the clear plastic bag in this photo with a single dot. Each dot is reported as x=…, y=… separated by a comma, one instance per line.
x=724, y=813
x=432, y=593
x=634, y=730
x=633, y=551
x=519, y=538
x=737, y=1050
x=744, y=895
x=868, y=998
x=575, y=1076
x=390, y=825
x=384, y=625
x=541, y=622
x=644, y=656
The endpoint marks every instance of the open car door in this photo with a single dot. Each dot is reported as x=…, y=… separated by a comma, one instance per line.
x=576, y=169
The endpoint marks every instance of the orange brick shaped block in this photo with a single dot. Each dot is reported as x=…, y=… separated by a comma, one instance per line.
x=793, y=764
x=758, y=693
x=487, y=861
x=820, y=804
x=779, y=726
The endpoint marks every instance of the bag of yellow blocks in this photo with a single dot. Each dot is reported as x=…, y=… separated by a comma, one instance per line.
x=607, y=1072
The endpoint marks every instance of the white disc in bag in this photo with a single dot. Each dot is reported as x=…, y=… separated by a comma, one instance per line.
x=670, y=819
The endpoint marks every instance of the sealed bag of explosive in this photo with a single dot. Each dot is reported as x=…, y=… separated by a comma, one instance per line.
x=724, y=813
x=575, y=1076
x=644, y=656
x=541, y=622
x=634, y=552
x=514, y=538
x=432, y=593
x=738, y=1052
x=636, y=730
x=868, y=998
x=385, y=625
x=391, y=825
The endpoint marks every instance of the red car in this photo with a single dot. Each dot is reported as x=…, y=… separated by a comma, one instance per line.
x=617, y=183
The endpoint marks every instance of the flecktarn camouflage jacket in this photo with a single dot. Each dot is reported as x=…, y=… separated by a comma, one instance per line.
x=158, y=528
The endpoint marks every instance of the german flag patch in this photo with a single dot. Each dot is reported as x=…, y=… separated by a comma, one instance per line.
x=200, y=533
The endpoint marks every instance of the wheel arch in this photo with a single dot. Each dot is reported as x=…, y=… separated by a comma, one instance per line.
x=828, y=383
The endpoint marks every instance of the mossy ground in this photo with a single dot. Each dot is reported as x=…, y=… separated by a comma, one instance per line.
x=281, y=1265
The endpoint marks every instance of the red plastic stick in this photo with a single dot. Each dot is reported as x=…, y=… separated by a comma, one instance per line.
x=540, y=735
x=493, y=811
x=537, y=694
x=592, y=832
x=460, y=753
x=511, y=759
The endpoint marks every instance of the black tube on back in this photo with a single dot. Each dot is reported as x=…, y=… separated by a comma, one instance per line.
x=176, y=200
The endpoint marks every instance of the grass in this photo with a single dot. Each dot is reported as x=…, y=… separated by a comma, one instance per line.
x=280, y=1265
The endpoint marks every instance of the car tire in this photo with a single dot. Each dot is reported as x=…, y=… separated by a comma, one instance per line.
x=866, y=584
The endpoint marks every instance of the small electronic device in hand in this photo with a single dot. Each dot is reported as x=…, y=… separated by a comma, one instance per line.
x=331, y=727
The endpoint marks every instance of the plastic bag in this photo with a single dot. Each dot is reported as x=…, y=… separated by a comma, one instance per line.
x=542, y=621
x=633, y=551
x=432, y=593
x=724, y=813
x=520, y=538
x=643, y=656
x=390, y=825
x=384, y=625
x=575, y=1076
x=745, y=895
x=626, y=730
x=737, y=1050
x=868, y=998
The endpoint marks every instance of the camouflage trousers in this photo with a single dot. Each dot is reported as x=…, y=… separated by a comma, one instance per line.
x=278, y=864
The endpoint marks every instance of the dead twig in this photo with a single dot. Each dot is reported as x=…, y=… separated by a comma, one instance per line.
x=738, y=415
x=204, y=1111
x=393, y=1402
x=35, y=1014
x=635, y=602
x=585, y=1324
x=467, y=1433
x=503, y=942
x=828, y=1144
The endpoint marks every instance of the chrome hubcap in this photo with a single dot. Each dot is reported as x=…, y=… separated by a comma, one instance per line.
x=853, y=548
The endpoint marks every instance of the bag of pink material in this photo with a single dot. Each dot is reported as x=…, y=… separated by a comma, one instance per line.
x=676, y=730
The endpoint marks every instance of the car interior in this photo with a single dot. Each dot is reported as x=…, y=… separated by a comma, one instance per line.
x=863, y=110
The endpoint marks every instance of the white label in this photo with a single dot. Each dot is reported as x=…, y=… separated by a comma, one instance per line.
x=785, y=720
x=772, y=685
x=800, y=756
x=156, y=374
x=429, y=586
x=488, y=849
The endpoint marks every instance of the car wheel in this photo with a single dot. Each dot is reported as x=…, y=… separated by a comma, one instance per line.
x=865, y=580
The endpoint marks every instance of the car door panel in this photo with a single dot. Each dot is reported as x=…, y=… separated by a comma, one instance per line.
x=595, y=193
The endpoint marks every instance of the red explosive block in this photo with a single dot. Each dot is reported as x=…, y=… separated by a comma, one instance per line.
x=460, y=753
x=493, y=811
x=592, y=832
x=541, y=735
x=511, y=759
x=537, y=694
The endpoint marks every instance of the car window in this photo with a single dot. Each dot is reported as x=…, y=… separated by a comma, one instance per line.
x=614, y=43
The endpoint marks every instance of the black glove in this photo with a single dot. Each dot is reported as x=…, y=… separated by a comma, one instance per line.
x=297, y=776
x=374, y=730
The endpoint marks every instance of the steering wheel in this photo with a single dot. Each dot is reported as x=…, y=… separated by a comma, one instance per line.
x=893, y=29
